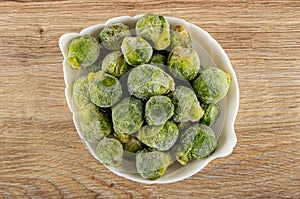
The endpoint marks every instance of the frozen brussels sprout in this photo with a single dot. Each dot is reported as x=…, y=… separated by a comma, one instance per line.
x=136, y=50
x=187, y=106
x=184, y=63
x=115, y=64
x=105, y=89
x=80, y=93
x=146, y=80
x=211, y=113
x=127, y=116
x=152, y=164
x=110, y=152
x=158, y=110
x=83, y=51
x=160, y=137
x=197, y=142
x=159, y=60
x=212, y=84
x=132, y=147
x=154, y=28
x=94, y=123
x=181, y=37
x=112, y=35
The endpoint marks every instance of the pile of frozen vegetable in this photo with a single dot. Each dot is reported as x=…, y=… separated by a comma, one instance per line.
x=146, y=97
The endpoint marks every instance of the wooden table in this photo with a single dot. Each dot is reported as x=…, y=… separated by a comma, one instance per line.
x=41, y=155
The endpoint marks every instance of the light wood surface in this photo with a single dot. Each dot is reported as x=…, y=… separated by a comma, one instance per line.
x=41, y=155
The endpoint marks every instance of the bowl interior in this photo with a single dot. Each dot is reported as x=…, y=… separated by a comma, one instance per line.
x=211, y=55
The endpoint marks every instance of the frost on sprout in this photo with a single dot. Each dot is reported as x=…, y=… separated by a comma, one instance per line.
x=112, y=35
x=212, y=84
x=136, y=50
x=110, y=152
x=197, y=142
x=80, y=92
x=211, y=113
x=94, y=123
x=105, y=89
x=184, y=63
x=187, y=106
x=145, y=81
x=155, y=29
x=127, y=116
x=161, y=137
x=158, y=110
x=115, y=64
x=152, y=164
x=181, y=37
x=83, y=51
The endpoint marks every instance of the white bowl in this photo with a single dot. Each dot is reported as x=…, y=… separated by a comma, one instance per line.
x=211, y=54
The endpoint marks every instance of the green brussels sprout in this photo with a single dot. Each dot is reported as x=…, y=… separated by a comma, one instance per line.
x=212, y=84
x=152, y=164
x=187, y=106
x=112, y=35
x=181, y=37
x=211, y=113
x=127, y=116
x=132, y=147
x=136, y=50
x=146, y=80
x=160, y=137
x=158, y=110
x=83, y=51
x=154, y=28
x=159, y=60
x=105, y=90
x=110, y=152
x=115, y=64
x=184, y=63
x=197, y=142
x=94, y=123
x=80, y=92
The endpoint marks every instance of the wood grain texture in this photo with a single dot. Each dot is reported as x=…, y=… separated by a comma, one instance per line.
x=41, y=155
